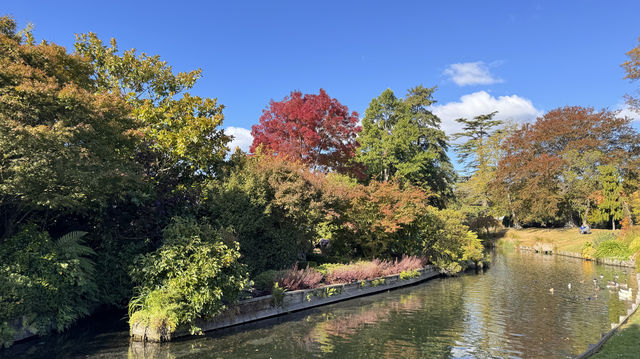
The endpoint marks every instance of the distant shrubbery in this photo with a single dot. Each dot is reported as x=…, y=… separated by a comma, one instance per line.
x=607, y=245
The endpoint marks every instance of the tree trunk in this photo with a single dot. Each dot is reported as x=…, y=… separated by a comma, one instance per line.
x=627, y=211
x=586, y=214
x=613, y=223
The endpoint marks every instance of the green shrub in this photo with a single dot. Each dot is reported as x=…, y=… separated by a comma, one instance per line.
x=194, y=274
x=588, y=251
x=446, y=241
x=603, y=237
x=264, y=281
x=272, y=205
x=46, y=284
x=634, y=244
x=409, y=274
x=612, y=249
x=328, y=267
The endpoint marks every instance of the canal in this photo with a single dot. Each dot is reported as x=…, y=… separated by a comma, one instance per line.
x=505, y=311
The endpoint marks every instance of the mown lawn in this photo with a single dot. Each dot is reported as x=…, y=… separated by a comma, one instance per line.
x=563, y=239
x=625, y=343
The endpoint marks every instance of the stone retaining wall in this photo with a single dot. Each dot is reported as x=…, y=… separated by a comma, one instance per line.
x=267, y=306
x=612, y=262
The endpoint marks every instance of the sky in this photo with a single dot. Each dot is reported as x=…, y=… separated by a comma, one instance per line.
x=520, y=58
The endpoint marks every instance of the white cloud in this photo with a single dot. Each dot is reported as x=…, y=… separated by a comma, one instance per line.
x=510, y=109
x=471, y=73
x=241, y=138
x=625, y=111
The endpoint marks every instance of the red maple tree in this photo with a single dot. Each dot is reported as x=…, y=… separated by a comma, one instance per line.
x=314, y=129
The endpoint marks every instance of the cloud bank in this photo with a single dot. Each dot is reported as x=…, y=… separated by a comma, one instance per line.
x=471, y=73
x=510, y=108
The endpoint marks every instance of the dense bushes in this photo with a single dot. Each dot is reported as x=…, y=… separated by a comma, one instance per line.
x=612, y=249
x=279, y=209
x=194, y=274
x=387, y=219
x=608, y=245
x=272, y=205
x=44, y=283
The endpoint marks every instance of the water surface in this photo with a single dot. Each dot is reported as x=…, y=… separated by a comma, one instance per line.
x=506, y=311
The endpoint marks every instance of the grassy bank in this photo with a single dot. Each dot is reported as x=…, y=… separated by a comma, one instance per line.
x=601, y=243
x=625, y=343
x=563, y=239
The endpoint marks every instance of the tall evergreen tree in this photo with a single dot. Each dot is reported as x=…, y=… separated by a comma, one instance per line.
x=402, y=139
x=610, y=206
x=480, y=155
x=474, y=152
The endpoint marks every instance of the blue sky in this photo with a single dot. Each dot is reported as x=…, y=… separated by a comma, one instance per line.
x=518, y=57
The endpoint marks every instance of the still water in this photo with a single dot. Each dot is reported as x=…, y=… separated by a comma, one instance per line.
x=506, y=311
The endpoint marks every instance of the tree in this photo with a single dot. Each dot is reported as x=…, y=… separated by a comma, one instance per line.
x=65, y=148
x=179, y=139
x=632, y=72
x=474, y=151
x=549, y=166
x=314, y=129
x=180, y=133
x=480, y=153
x=401, y=138
x=272, y=204
x=610, y=204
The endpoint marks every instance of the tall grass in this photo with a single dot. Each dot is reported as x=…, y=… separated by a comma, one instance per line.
x=307, y=278
x=295, y=278
x=369, y=270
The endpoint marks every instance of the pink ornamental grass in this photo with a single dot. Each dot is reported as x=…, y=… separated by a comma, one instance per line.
x=376, y=268
x=294, y=279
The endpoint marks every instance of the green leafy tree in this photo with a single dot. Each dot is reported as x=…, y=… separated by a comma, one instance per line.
x=65, y=149
x=580, y=180
x=181, y=131
x=610, y=204
x=272, y=204
x=402, y=139
x=474, y=152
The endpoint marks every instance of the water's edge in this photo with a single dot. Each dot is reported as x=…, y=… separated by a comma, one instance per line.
x=254, y=309
x=594, y=348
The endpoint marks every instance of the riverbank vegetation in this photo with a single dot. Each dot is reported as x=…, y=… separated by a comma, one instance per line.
x=336, y=273
x=601, y=243
x=117, y=187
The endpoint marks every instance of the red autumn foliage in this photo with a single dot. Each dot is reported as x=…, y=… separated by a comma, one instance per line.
x=314, y=129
